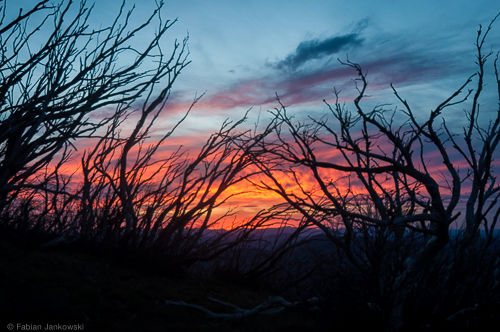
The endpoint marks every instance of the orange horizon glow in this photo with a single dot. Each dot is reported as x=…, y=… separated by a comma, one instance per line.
x=246, y=200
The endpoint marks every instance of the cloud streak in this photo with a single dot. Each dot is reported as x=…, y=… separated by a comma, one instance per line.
x=399, y=63
x=316, y=48
x=315, y=85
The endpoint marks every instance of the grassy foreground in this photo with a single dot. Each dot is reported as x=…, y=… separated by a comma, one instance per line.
x=74, y=287
x=116, y=291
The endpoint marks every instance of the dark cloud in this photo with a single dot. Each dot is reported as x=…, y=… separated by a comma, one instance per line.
x=315, y=49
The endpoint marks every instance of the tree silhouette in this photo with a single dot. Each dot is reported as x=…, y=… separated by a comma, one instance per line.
x=83, y=83
x=49, y=93
x=362, y=176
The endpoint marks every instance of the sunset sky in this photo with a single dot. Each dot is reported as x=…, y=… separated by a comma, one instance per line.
x=243, y=53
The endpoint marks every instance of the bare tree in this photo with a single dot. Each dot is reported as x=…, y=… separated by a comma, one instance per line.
x=165, y=204
x=53, y=84
x=96, y=85
x=369, y=172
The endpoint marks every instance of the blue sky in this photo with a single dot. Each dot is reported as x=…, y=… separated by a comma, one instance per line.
x=243, y=52
x=239, y=49
x=233, y=40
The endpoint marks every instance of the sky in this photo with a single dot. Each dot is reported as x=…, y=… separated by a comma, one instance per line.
x=243, y=53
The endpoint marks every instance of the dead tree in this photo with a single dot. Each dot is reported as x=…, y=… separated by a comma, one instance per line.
x=167, y=205
x=271, y=306
x=55, y=84
x=96, y=85
x=360, y=170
